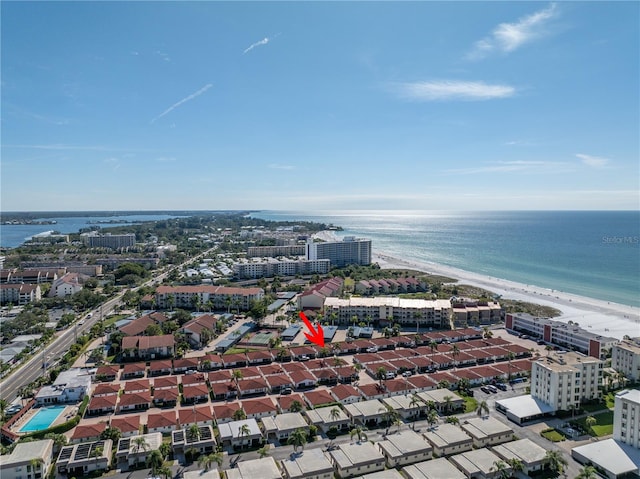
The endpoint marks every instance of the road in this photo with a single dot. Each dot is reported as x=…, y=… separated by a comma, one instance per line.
x=32, y=369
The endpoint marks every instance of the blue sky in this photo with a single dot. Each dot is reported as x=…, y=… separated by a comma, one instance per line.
x=316, y=106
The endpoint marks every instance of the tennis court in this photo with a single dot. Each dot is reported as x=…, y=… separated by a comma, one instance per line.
x=261, y=339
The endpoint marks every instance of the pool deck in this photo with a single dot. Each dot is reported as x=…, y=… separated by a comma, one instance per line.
x=68, y=412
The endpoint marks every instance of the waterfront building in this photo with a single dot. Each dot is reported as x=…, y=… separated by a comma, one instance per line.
x=270, y=267
x=563, y=381
x=274, y=251
x=350, y=250
x=570, y=336
x=98, y=240
x=388, y=310
x=625, y=358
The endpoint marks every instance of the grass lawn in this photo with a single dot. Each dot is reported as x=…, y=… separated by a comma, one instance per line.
x=604, y=425
x=553, y=436
x=601, y=406
x=113, y=318
x=470, y=404
x=241, y=350
x=610, y=400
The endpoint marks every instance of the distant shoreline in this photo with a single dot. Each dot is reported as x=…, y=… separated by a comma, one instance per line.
x=597, y=316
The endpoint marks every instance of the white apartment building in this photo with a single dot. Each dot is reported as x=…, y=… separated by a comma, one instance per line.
x=350, y=250
x=222, y=297
x=271, y=267
x=387, y=310
x=570, y=336
x=97, y=240
x=626, y=417
x=563, y=381
x=29, y=460
x=625, y=358
x=274, y=251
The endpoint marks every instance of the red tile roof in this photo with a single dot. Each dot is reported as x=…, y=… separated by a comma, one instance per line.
x=85, y=431
x=136, y=385
x=166, y=419
x=317, y=398
x=225, y=411
x=195, y=391
x=193, y=415
x=132, y=399
x=259, y=406
x=103, y=402
x=129, y=423
x=165, y=382
x=344, y=391
x=285, y=401
x=103, y=389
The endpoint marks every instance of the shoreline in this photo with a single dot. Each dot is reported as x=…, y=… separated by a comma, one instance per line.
x=594, y=315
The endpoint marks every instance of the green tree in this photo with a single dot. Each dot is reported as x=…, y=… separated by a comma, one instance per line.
x=297, y=438
x=453, y=420
x=482, y=409
x=243, y=431
x=359, y=432
x=112, y=433
x=501, y=469
x=296, y=406
x=207, y=461
x=239, y=415
x=556, y=462
x=432, y=418
x=155, y=461
x=587, y=472
x=590, y=421
x=263, y=451
x=381, y=374
x=334, y=414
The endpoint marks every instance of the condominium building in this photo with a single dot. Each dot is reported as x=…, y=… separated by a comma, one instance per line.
x=268, y=268
x=29, y=460
x=388, y=310
x=19, y=294
x=467, y=311
x=222, y=297
x=350, y=250
x=570, y=336
x=273, y=251
x=626, y=417
x=625, y=358
x=97, y=240
x=563, y=381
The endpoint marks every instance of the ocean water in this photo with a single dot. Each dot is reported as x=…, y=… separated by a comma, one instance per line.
x=590, y=253
x=14, y=235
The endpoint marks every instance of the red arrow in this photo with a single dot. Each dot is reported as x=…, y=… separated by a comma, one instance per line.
x=314, y=336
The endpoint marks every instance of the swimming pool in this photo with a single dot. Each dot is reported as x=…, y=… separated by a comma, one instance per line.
x=42, y=419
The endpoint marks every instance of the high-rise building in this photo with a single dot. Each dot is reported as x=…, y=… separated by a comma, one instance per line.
x=350, y=250
x=626, y=417
x=563, y=381
x=97, y=240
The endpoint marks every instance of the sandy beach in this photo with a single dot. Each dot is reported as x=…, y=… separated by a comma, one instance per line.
x=600, y=317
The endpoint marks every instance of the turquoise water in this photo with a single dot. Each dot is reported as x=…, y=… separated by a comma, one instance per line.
x=42, y=419
x=590, y=253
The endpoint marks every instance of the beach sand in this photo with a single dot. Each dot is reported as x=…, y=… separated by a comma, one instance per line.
x=597, y=316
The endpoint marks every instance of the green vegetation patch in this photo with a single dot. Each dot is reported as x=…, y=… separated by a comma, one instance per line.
x=603, y=426
x=470, y=404
x=553, y=435
x=512, y=306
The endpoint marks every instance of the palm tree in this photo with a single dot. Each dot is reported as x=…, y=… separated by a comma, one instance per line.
x=510, y=357
x=112, y=433
x=297, y=438
x=501, y=468
x=590, y=421
x=155, y=461
x=193, y=433
x=140, y=444
x=165, y=471
x=239, y=415
x=447, y=403
x=263, y=451
x=207, y=461
x=59, y=440
x=381, y=374
x=515, y=464
x=482, y=409
x=444, y=384
x=390, y=416
x=455, y=351
x=358, y=431
x=433, y=345
x=556, y=461
x=3, y=406
x=486, y=332
x=244, y=430
x=587, y=472
x=37, y=462
x=453, y=420
x=296, y=406
x=236, y=375
x=432, y=418
x=334, y=414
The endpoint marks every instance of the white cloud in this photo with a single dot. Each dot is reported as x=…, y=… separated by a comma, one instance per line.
x=277, y=166
x=452, y=90
x=184, y=100
x=264, y=41
x=513, y=166
x=593, y=161
x=508, y=37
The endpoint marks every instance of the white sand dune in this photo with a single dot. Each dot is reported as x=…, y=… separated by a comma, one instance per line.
x=600, y=317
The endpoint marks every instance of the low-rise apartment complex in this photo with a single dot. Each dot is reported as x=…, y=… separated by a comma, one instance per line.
x=387, y=310
x=569, y=336
x=222, y=297
x=625, y=358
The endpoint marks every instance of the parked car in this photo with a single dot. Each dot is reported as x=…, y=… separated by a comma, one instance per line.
x=492, y=388
x=501, y=386
x=390, y=375
x=406, y=374
x=485, y=389
x=286, y=391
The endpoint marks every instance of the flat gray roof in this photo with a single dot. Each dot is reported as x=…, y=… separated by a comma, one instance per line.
x=525, y=449
x=482, y=427
x=447, y=434
x=231, y=430
x=323, y=415
x=307, y=463
x=478, y=461
x=369, y=408
x=289, y=420
x=212, y=473
x=388, y=474
x=526, y=406
x=26, y=451
x=404, y=443
x=434, y=469
x=264, y=468
x=611, y=455
x=349, y=455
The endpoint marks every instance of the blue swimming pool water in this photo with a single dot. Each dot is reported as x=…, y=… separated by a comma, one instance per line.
x=42, y=419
